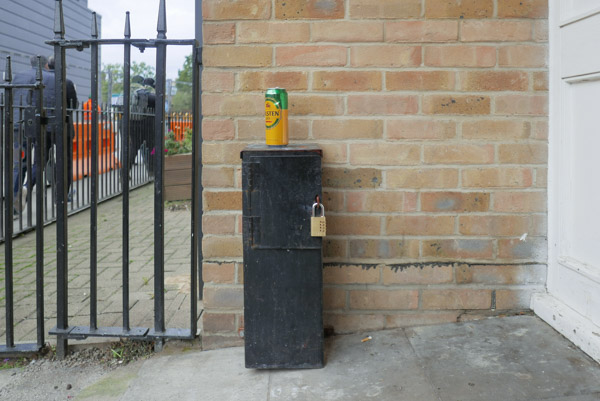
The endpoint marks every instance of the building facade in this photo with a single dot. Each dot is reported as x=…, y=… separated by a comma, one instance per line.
x=25, y=26
x=433, y=119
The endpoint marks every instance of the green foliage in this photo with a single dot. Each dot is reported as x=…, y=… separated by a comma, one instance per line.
x=175, y=147
x=116, y=70
x=182, y=101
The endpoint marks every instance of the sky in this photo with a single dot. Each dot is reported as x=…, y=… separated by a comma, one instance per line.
x=143, y=18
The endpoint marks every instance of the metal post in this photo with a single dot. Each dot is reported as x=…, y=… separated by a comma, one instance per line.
x=125, y=169
x=62, y=313
x=159, y=143
x=39, y=204
x=94, y=182
x=8, y=210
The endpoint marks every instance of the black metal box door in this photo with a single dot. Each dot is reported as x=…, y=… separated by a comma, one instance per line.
x=283, y=281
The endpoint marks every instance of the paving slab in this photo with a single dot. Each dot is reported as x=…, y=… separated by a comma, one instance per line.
x=512, y=358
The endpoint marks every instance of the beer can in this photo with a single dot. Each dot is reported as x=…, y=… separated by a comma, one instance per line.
x=276, y=117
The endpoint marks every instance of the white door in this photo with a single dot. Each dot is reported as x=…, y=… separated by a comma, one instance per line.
x=572, y=304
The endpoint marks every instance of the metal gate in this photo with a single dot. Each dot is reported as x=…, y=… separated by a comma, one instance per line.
x=63, y=330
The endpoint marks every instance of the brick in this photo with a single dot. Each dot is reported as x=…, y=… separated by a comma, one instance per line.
x=333, y=248
x=346, y=80
x=459, y=9
x=531, y=248
x=351, y=178
x=495, y=31
x=218, y=273
x=502, y=225
x=217, y=81
x=460, y=56
x=539, y=225
x=222, y=152
x=350, y=275
x=254, y=129
x=540, y=28
x=224, y=297
x=334, y=201
x=347, y=129
x=217, y=130
x=235, y=9
x=262, y=80
x=220, y=33
x=497, y=177
x=540, y=81
x=523, y=56
x=218, y=322
x=496, y=130
x=430, y=274
x=334, y=298
x=381, y=201
x=501, y=274
x=325, y=56
x=458, y=248
x=385, y=56
x=222, y=247
x=233, y=105
x=530, y=105
x=529, y=153
x=455, y=201
x=419, y=225
x=230, y=200
x=391, y=154
x=334, y=152
x=421, y=31
x=360, y=9
x=419, y=80
x=494, y=81
x=420, y=318
x=514, y=299
x=298, y=129
x=351, y=323
x=272, y=32
x=217, y=177
x=420, y=129
x=540, y=130
x=237, y=56
x=302, y=105
x=541, y=177
x=218, y=224
x=384, y=299
x=353, y=225
x=422, y=178
x=382, y=104
x=347, y=31
x=309, y=9
x=458, y=154
x=240, y=276
x=519, y=202
x=456, y=104
x=523, y=9
x=456, y=299
x=383, y=249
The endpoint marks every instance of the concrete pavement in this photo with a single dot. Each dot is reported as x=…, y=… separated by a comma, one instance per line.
x=516, y=358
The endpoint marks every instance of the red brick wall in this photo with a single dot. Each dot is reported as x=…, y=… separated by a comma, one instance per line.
x=433, y=119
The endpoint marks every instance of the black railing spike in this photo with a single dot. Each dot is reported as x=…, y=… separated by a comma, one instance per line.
x=38, y=71
x=8, y=73
x=127, y=26
x=59, y=21
x=94, y=25
x=161, y=27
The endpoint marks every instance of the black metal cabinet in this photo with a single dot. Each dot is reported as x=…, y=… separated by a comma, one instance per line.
x=283, y=281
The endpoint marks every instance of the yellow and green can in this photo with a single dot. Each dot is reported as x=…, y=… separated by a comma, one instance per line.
x=276, y=117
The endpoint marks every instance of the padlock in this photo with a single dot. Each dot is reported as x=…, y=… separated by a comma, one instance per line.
x=318, y=225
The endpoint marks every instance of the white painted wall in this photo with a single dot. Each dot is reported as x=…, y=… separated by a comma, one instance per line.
x=572, y=303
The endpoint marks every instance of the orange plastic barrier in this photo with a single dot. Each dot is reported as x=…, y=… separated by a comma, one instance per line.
x=82, y=149
x=178, y=128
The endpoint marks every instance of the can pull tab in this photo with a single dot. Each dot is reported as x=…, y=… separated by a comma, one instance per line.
x=318, y=225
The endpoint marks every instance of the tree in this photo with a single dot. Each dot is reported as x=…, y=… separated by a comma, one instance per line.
x=182, y=101
x=116, y=70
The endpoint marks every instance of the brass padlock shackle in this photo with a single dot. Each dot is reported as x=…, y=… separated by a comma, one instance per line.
x=314, y=209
